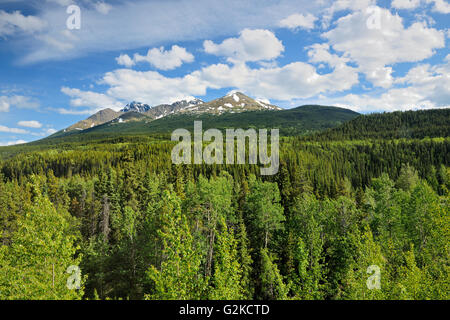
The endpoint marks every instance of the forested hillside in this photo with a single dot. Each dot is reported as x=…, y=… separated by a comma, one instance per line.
x=297, y=121
x=395, y=125
x=142, y=228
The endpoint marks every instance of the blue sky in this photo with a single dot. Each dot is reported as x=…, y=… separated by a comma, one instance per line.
x=366, y=55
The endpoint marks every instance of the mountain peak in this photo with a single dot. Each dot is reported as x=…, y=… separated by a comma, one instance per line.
x=136, y=107
x=233, y=102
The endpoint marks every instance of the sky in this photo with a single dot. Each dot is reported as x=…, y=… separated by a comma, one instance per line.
x=63, y=60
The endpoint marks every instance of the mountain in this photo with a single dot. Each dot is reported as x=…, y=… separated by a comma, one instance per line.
x=136, y=107
x=98, y=118
x=131, y=116
x=297, y=121
x=163, y=110
x=234, y=102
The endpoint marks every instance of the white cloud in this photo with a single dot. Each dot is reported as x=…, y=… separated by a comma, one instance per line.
x=20, y=102
x=151, y=87
x=61, y=2
x=376, y=50
x=298, y=20
x=12, y=130
x=252, y=45
x=137, y=24
x=423, y=87
x=65, y=111
x=319, y=53
x=12, y=143
x=294, y=80
x=297, y=79
x=91, y=99
x=30, y=124
x=340, y=5
x=165, y=60
x=159, y=58
x=441, y=6
x=405, y=4
x=4, y=104
x=125, y=60
x=50, y=131
x=103, y=7
x=15, y=22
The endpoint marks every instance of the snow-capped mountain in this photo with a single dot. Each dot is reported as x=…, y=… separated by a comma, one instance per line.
x=234, y=102
x=136, y=107
x=163, y=110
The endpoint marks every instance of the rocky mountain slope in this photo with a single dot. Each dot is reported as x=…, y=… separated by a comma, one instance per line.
x=235, y=102
x=99, y=118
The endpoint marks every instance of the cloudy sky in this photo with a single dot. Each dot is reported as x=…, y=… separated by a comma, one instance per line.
x=366, y=55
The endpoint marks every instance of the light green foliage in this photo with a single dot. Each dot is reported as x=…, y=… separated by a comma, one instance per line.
x=42, y=248
x=226, y=282
x=368, y=253
x=178, y=276
x=150, y=229
x=272, y=285
x=264, y=209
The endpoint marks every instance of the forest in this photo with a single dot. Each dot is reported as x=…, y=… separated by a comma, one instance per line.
x=373, y=191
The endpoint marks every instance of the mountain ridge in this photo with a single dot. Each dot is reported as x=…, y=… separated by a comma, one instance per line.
x=234, y=102
x=296, y=121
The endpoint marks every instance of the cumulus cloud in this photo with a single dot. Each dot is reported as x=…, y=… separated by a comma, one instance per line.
x=151, y=87
x=12, y=130
x=65, y=111
x=165, y=60
x=12, y=143
x=341, y=5
x=298, y=20
x=90, y=99
x=297, y=79
x=423, y=87
x=376, y=50
x=125, y=60
x=320, y=53
x=252, y=45
x=159, y=58
x=405, y=4
x=21, y=102
x=293, y=80
x=441, y=6
x=16, y=22
x=103, y=7
x=30, y=124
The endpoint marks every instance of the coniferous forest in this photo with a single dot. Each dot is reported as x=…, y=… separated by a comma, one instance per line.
x=346, y=203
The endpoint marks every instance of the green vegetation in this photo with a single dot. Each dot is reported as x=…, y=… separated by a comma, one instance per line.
x=142, y=228
x=296, y=121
